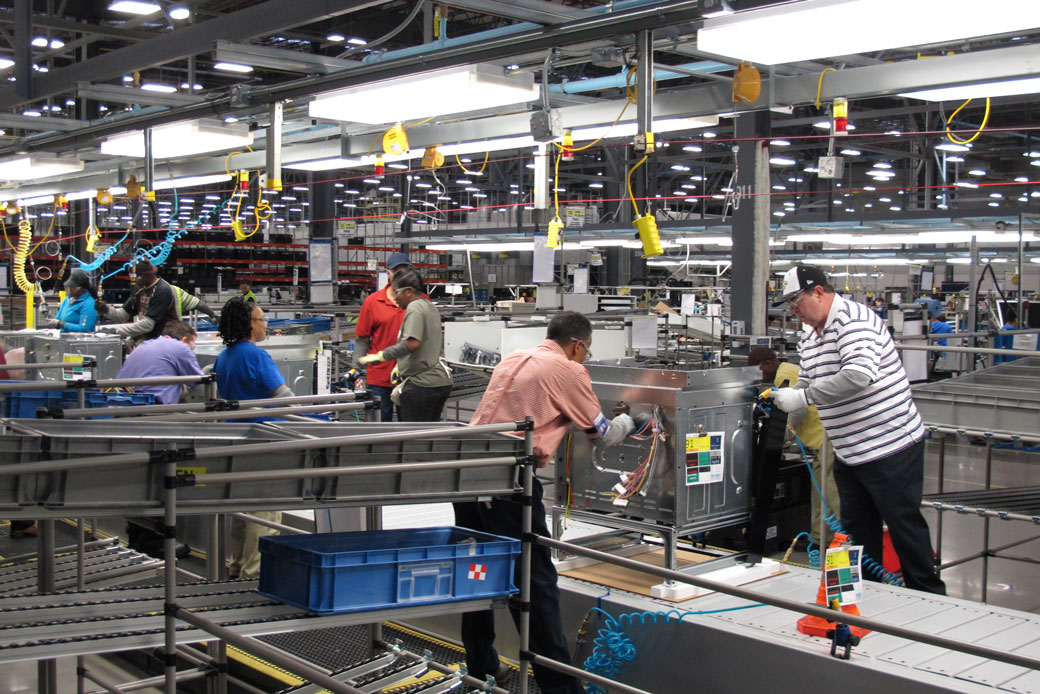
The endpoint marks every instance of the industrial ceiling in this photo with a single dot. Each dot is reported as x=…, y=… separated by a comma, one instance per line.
x=80, y=72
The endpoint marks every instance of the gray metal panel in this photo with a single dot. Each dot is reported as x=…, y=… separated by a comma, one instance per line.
x=998, y=674
x=107, y=350
x=137, y=489
x=972, y=631
x=917, y=613
x=955, y=664
x=1028, y=683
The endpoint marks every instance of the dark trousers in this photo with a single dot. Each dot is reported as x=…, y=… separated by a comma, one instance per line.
x=505, y=517
x=386, y=405
x=889, y=490
x=420, y=404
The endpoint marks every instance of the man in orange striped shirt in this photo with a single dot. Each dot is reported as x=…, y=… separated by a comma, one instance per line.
x=550, y=384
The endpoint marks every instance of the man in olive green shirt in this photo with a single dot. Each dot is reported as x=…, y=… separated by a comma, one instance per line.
x=426, y=380
x=809, y=430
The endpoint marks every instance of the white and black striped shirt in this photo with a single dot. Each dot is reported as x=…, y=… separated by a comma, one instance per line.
x=879, y=420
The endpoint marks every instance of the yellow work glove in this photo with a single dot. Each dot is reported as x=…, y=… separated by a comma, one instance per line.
x=371, y=358
x=395, y=376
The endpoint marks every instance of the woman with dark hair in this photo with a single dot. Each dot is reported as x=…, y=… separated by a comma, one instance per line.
x=246, y=372
x=76, y=314
x=425, y=378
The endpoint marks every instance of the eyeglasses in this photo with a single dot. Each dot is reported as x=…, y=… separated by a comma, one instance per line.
x=794, y=303
x=588, y=352
x=262, y=320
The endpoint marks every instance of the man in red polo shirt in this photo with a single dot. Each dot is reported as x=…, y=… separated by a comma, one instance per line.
x=377, y=328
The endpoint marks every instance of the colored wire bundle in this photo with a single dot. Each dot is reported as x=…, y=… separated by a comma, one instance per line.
x=635, y=482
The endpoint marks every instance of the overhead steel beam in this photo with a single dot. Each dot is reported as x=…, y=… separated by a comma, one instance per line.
x=524, y=10
x=41, y=123
x=852, y=83
x=268, y=17
x=588, y=29
x=58, y=24
x=280, y=58
x=133, y=95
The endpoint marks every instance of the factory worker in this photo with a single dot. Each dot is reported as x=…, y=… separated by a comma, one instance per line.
x=377, y=328
x=144, y=315
x=809, y=430
x=550, y=384
x=246, y=288
x=170, y=354
x=853, y=374
x=246, y=372
x=76, y=314
x=186, y=302
x=419, y=352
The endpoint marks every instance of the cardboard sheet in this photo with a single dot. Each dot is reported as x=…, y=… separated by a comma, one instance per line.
x=631, y=580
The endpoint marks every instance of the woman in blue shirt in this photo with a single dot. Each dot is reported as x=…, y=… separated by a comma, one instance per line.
x=246, y=372
x=76, y=314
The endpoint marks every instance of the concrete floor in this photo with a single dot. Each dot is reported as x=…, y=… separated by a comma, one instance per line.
x=1010, y=584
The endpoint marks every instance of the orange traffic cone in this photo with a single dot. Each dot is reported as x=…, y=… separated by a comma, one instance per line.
x=818, y=626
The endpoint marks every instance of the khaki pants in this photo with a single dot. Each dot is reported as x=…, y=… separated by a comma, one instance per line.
x=830, y=491
x=245, y=536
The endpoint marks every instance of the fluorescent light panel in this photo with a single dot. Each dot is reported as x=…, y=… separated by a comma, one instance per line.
x=27, y=167
x=180, y=140
x=453, y=90
x=1030, y=85
x=807, y=30
x=134, y=7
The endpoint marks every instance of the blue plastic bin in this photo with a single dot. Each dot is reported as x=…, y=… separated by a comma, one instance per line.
x=331, y=573
x=26, y=405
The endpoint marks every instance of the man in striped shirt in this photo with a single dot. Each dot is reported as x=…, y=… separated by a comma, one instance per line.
x=852, y=373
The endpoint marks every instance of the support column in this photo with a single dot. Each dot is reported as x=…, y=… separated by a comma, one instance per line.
x=323, y=209
x=751, y=224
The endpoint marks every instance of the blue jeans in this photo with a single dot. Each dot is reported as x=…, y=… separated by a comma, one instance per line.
x=386, y=405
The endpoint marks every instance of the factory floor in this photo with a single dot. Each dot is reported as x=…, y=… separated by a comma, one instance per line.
x=1010, y=583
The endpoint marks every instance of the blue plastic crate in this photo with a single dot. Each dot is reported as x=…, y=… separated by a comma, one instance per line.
x=26, y=405
x=330, y=573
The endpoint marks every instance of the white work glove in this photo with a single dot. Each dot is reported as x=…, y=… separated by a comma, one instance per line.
x=790, y=399
x=371, y=359
x=620, y=427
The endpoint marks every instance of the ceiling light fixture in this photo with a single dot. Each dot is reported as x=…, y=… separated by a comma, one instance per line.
x=180, y=139
x=983, y=90
x=798, y=31
x=134, y=7
x=40, y=42
x=355, y=41
x=27, y=167
x=452, y=90
x=232, y=67
x=952, y=147
x=335, y=38
x=179, y=12
x=156, y=87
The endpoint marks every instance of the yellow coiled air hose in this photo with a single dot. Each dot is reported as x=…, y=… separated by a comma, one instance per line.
x=20, y=253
